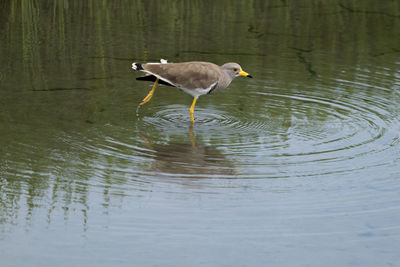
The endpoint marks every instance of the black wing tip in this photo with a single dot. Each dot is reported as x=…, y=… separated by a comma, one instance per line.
x=137, y=66
x=149, y=78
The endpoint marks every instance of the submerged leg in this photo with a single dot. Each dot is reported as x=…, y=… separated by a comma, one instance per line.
x=150, y=94
x=191, y=135
x=192, y=109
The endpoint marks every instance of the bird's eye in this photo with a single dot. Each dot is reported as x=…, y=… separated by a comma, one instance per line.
x=235, y=69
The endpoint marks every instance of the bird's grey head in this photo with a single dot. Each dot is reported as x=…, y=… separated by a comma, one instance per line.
x=234, y=70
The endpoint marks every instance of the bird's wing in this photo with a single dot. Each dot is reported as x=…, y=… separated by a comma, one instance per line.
x=189, y=75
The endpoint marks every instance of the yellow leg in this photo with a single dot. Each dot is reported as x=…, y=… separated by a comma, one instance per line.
x=192, y=109
x=150, y=94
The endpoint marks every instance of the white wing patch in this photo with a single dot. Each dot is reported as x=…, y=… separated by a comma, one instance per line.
x=198, y=91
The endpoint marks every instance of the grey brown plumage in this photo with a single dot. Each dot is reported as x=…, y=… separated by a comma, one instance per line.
x=190, y=75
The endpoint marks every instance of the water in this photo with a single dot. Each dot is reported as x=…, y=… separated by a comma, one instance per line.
x=296, y=167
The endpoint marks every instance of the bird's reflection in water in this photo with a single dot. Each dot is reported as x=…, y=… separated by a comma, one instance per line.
x=193, y=159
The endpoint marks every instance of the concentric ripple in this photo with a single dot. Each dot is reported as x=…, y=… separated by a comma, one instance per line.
x=178, y=115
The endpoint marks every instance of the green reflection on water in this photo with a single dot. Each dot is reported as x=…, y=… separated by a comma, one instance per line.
x=66, y=79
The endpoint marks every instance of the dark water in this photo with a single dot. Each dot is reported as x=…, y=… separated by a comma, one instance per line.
x=299, y=166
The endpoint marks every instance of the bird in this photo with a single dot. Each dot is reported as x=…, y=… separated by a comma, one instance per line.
x=195, y=77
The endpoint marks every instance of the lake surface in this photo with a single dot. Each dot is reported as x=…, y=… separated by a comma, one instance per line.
x=299, y=166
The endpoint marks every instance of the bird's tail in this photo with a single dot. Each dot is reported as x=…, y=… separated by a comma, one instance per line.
x=137, y=66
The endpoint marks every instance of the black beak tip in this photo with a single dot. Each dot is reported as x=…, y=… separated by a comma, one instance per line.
x=249, y=76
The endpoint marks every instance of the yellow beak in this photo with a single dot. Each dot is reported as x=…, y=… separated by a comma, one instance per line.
x=245, y=74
